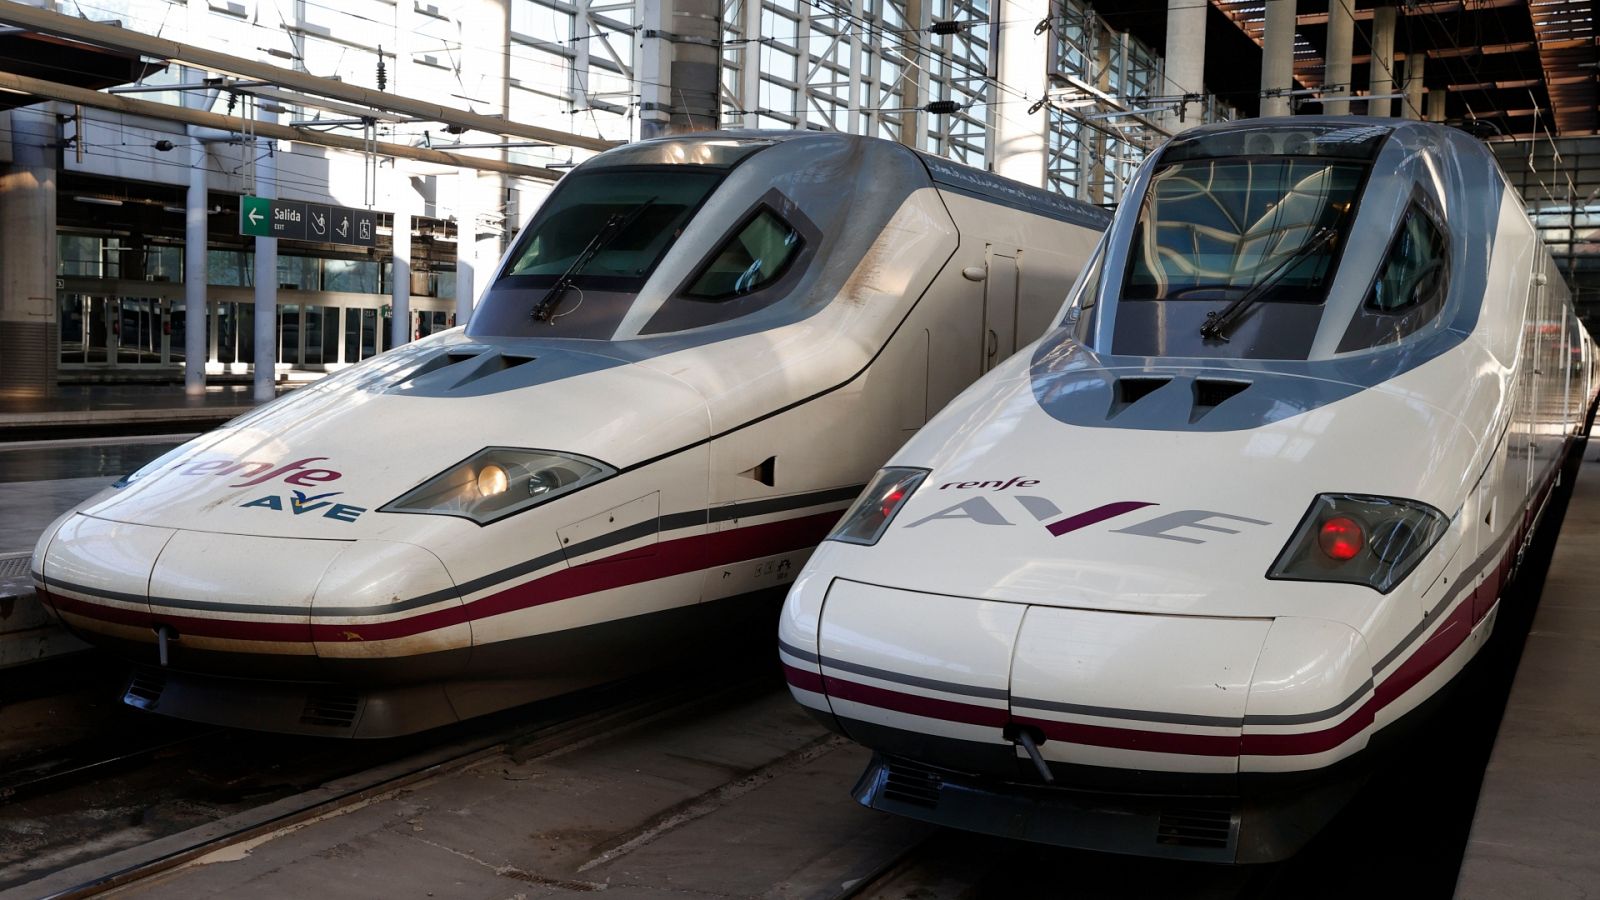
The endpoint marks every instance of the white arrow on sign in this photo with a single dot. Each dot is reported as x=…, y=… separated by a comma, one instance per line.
x=255, y=217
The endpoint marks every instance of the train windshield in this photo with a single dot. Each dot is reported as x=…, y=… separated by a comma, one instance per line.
x=577, y=269
x=608, y=229
x=1232, y=255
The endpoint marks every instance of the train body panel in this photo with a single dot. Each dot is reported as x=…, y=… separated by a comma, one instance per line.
x=685, y=367
x=1253, y=500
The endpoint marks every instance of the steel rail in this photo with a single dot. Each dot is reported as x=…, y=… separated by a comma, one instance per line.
x=681, y=699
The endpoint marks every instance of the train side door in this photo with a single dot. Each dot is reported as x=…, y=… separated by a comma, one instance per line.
x=999, y=310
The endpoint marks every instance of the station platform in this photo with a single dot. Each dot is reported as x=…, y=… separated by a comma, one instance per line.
x=102, y=408
x=1535, y=830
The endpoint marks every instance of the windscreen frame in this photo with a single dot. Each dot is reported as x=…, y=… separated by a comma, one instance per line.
x=610, y=283
x=1348, y=218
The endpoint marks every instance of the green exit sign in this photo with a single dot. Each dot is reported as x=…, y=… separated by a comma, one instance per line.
x=314, y=222
x=255, y=216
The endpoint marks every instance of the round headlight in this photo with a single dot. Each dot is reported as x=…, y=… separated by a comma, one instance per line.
x=492, y=480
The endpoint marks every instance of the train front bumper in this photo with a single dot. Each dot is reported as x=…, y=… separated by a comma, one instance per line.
x=1216, y=819
x=250, y=606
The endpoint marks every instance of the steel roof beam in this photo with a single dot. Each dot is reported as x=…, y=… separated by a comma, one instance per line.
x=132, y=41
x=1417, y=9
x=50, y=90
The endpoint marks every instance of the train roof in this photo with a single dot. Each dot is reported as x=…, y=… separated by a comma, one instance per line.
x=731, y=148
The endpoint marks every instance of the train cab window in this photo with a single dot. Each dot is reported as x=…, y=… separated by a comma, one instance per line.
x=1232, y=256
x=1414, y=271
x=751, y=259
x=1410, y=288
x=609, y=228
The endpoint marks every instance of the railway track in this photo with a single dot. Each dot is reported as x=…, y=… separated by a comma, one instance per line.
x=558, y=725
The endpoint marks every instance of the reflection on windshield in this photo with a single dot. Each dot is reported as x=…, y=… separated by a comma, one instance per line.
x=1213, y=228
x=646, y=210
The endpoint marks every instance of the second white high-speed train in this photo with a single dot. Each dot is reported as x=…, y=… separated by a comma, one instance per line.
x=1153, y=584
x=687, y=365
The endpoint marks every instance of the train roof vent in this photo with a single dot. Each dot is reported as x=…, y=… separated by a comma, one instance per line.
x=910, y=783
x=331, y=709
x=458, y=368
x=1210, y=828
x=1210, y=393
x=1125, y=392
x=144, y=688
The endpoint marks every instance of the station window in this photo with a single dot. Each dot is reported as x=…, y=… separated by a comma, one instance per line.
x=754, y=257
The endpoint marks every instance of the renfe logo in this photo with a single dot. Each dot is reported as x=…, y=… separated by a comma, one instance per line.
x=255, y=473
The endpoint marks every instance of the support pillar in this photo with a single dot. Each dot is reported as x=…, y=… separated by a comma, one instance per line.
x=1277, y=58
x=266, y=308
x=1094, y=187
x=1381, y=82
x=1437, y=99
x=195, y=276
x=466, y=243
x=1020, y=139
x=913, y=85
x=1185, y=65
x=400, y=267
x=1341, y=36
x=680, y=51
x=30, y=351
x=1415, y=64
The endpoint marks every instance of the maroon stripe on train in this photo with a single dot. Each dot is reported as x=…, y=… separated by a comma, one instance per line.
x=804, y=679
x=285, y=632
x=914, y=704
x=1098, y=514
x=1445, y=640
x=675, y=557
x=1136, y=738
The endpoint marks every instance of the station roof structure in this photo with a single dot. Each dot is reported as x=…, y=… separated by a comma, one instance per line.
x=1518, y=67
x=69, y=62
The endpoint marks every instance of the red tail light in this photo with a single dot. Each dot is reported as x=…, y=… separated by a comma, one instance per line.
x=1341, y=538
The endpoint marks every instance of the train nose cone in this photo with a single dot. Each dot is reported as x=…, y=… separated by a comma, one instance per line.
x=243, y=605
x=384, y=603
x=950, y=680
x=96, y=578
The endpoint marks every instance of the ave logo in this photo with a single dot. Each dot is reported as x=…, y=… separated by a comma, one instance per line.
x=1180, y=525
x=300, y=504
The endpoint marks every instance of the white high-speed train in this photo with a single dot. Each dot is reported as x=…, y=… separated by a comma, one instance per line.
x=1155, y=583
x=686, y=366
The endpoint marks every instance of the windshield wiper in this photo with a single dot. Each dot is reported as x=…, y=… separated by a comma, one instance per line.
x=616, y=224
x=1217, y=322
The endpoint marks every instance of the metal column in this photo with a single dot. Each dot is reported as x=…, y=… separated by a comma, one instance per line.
x=466, y=244
x=679, y=66
x=1415, y=63
x=29, y=338
x=1020, y=138
x=1341, y=36
x=266, y=312
x=1277, y=58
x=1381, y=83
x=400, y=265
x=196, y=307
x=1185, y=68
